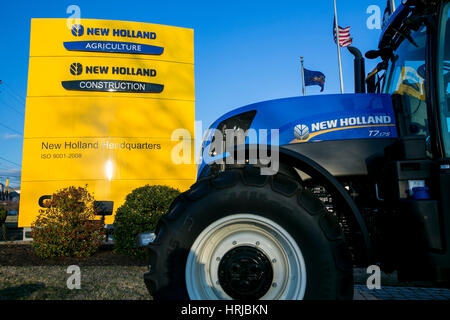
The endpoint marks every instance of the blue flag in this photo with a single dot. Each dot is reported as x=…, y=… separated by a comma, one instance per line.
x=314, y=78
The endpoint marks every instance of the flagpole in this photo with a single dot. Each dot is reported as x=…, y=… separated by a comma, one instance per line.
x=303, y=77
x=336, y=26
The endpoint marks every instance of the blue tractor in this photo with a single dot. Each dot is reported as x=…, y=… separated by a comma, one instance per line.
x=294, y=193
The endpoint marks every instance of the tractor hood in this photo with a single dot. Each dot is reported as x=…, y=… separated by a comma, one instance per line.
x=311, y=119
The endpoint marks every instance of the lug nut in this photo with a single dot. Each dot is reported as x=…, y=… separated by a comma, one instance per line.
x=257, y=243
x=234, y=243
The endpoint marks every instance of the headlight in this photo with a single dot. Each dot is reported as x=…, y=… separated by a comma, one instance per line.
x=241, y=121
x=237, y=126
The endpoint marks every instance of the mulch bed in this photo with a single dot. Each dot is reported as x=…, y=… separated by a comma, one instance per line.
x=21, y=254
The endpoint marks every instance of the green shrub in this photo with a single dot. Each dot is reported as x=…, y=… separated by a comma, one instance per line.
x=67, y=226
x=140, y=213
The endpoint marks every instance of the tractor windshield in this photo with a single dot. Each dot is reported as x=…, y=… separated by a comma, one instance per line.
x=405, y=82
x=444, y=77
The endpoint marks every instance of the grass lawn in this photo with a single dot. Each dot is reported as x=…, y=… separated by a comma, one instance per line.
x=49, y=282
x=105, y=275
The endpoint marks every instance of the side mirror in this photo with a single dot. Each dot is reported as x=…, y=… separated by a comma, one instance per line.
x=372, y=54
x=383, y=53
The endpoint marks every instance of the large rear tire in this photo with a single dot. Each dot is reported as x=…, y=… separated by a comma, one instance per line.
x=241, y=235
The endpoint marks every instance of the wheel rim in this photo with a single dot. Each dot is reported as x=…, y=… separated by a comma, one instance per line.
x=266, y=254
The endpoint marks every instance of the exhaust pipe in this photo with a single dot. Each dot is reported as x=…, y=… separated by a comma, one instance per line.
x=359, y=69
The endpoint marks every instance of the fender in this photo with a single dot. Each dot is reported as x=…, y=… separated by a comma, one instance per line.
x=320, y=174
x=315, y=171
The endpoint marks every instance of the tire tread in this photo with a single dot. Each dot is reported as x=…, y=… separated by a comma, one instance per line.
x=249, y=176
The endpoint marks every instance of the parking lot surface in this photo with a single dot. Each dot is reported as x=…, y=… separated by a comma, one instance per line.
x=400, y=293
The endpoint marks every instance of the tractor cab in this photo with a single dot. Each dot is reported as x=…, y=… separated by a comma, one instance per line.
x=415, y=52
x=415, y=49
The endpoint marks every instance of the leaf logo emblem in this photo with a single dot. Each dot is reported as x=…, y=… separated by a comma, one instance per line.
x=76, y=68
x=77, y=30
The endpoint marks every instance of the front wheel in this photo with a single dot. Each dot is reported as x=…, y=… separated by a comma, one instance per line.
x=245, y=256
x=244, y=236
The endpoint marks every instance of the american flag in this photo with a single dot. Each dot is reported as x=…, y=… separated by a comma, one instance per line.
x=344, y=36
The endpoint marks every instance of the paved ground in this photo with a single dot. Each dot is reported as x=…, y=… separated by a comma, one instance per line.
x=392, y=289
x=400, y=293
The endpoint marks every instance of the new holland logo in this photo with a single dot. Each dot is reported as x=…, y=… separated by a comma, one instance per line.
x=76, y=69
x=107, y=85
x=112, y=46
x=301, y=132
x=77, y=30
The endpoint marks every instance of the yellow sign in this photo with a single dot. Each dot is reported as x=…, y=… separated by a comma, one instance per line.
x=103, y=100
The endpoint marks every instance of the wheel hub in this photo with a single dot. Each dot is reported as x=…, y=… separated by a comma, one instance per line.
x=245, y=272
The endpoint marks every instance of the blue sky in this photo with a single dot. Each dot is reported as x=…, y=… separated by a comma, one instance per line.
x=245, y=51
